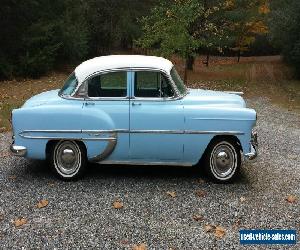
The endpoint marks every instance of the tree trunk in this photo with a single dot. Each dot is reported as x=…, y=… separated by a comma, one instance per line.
x=207, y=59
x=190, y=62
x=239, y=55
x=185, y=72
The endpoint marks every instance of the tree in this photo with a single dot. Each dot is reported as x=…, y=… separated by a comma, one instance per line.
x=179, y=27
x=38, y=34
x=285, y=29
x=245, y=20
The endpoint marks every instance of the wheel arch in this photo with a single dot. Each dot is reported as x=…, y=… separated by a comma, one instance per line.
x=51, y=143
x=233, y=138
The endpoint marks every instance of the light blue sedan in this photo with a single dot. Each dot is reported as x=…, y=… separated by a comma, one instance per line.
x=135, y=110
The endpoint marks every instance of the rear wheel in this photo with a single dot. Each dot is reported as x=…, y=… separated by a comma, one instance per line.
x=222, y=160
x=68, y=159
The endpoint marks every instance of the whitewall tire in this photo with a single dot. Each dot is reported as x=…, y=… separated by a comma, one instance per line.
x=68, y=159
x=222, y=160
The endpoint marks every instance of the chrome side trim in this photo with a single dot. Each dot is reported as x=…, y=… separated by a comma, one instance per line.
x=136, y=131
x=18, y=150
x=215, y=132
x=108, y=150
x=221, y=119
x=158, y=163
x=67, y=138
x=234, y=92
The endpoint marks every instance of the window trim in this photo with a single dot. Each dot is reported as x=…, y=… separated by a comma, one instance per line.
x=152, y=98
x=129, y=96
x=106, y=97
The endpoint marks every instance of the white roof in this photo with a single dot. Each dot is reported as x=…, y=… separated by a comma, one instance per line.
x=120, y=61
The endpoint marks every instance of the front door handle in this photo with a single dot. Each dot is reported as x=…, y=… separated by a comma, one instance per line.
x=136, y=104
x=89, y=103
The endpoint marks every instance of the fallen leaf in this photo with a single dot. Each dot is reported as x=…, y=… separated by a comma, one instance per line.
x=124, y=242
x=42, y=203
x=172, y=194
x=201, y=181
x=51, y=184
x=20, y=222
x=201, y=193
x=237, y=224
x=220, y=232
x=209, y=228
x=12, y=177
x=140, y=247
x=2, y=129
x=118, y=204
x=291, y=199
x=198, y=217
x=242, y=199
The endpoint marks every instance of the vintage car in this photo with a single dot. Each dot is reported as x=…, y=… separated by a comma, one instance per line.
x=134, y=110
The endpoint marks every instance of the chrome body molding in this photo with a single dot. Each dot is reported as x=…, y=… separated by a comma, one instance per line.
x=158, y=163
x=68, y=138
x=140, y=131
x=18, y=150
x=108, y=150
x=235, y=92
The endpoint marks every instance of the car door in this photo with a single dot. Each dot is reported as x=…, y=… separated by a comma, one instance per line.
x=106, y=115
x=156, y=119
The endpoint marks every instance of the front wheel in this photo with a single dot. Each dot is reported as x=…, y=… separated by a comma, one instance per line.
x=68, y=159
x=222, y=160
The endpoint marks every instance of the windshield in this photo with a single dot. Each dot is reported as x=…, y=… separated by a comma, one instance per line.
x=70, y=85
x=179, y=83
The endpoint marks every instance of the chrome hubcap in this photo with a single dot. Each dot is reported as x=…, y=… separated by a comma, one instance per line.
x=67, y=158
x=223, y=160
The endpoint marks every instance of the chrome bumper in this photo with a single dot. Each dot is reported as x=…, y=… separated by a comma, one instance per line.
x=18, y=150
x=254, y=145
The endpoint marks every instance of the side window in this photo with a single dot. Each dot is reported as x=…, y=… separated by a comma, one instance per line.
x=152, y=84
x=112, y=84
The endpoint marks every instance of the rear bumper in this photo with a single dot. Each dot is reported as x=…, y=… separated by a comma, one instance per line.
x=18, y=150
x=254, y=146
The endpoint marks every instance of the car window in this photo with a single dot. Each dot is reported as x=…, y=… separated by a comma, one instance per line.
x=179, y=83
x=69, y=86
x=113, y=84
x=152, y=84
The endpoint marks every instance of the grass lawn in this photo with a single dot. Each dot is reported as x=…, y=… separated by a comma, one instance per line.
x=255, y=76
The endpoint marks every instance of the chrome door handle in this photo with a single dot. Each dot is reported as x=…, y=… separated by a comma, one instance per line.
x=89, y=103
x=136, y=104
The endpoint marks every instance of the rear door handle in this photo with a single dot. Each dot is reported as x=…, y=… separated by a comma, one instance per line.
x=136, y=104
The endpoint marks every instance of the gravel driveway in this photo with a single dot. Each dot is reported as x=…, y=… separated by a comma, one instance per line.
x=81, y=214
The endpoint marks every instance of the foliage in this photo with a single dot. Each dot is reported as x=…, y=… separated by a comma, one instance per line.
x=187, y=27
x=180, y=27
x=38, y=33
x=285, y=29
x=244, y=22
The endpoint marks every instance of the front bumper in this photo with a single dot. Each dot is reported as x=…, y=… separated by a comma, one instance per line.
x=18, y=150
x=254, y=146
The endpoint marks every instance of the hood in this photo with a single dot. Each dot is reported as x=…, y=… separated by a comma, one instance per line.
x=213, y=98
x=43, y=98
